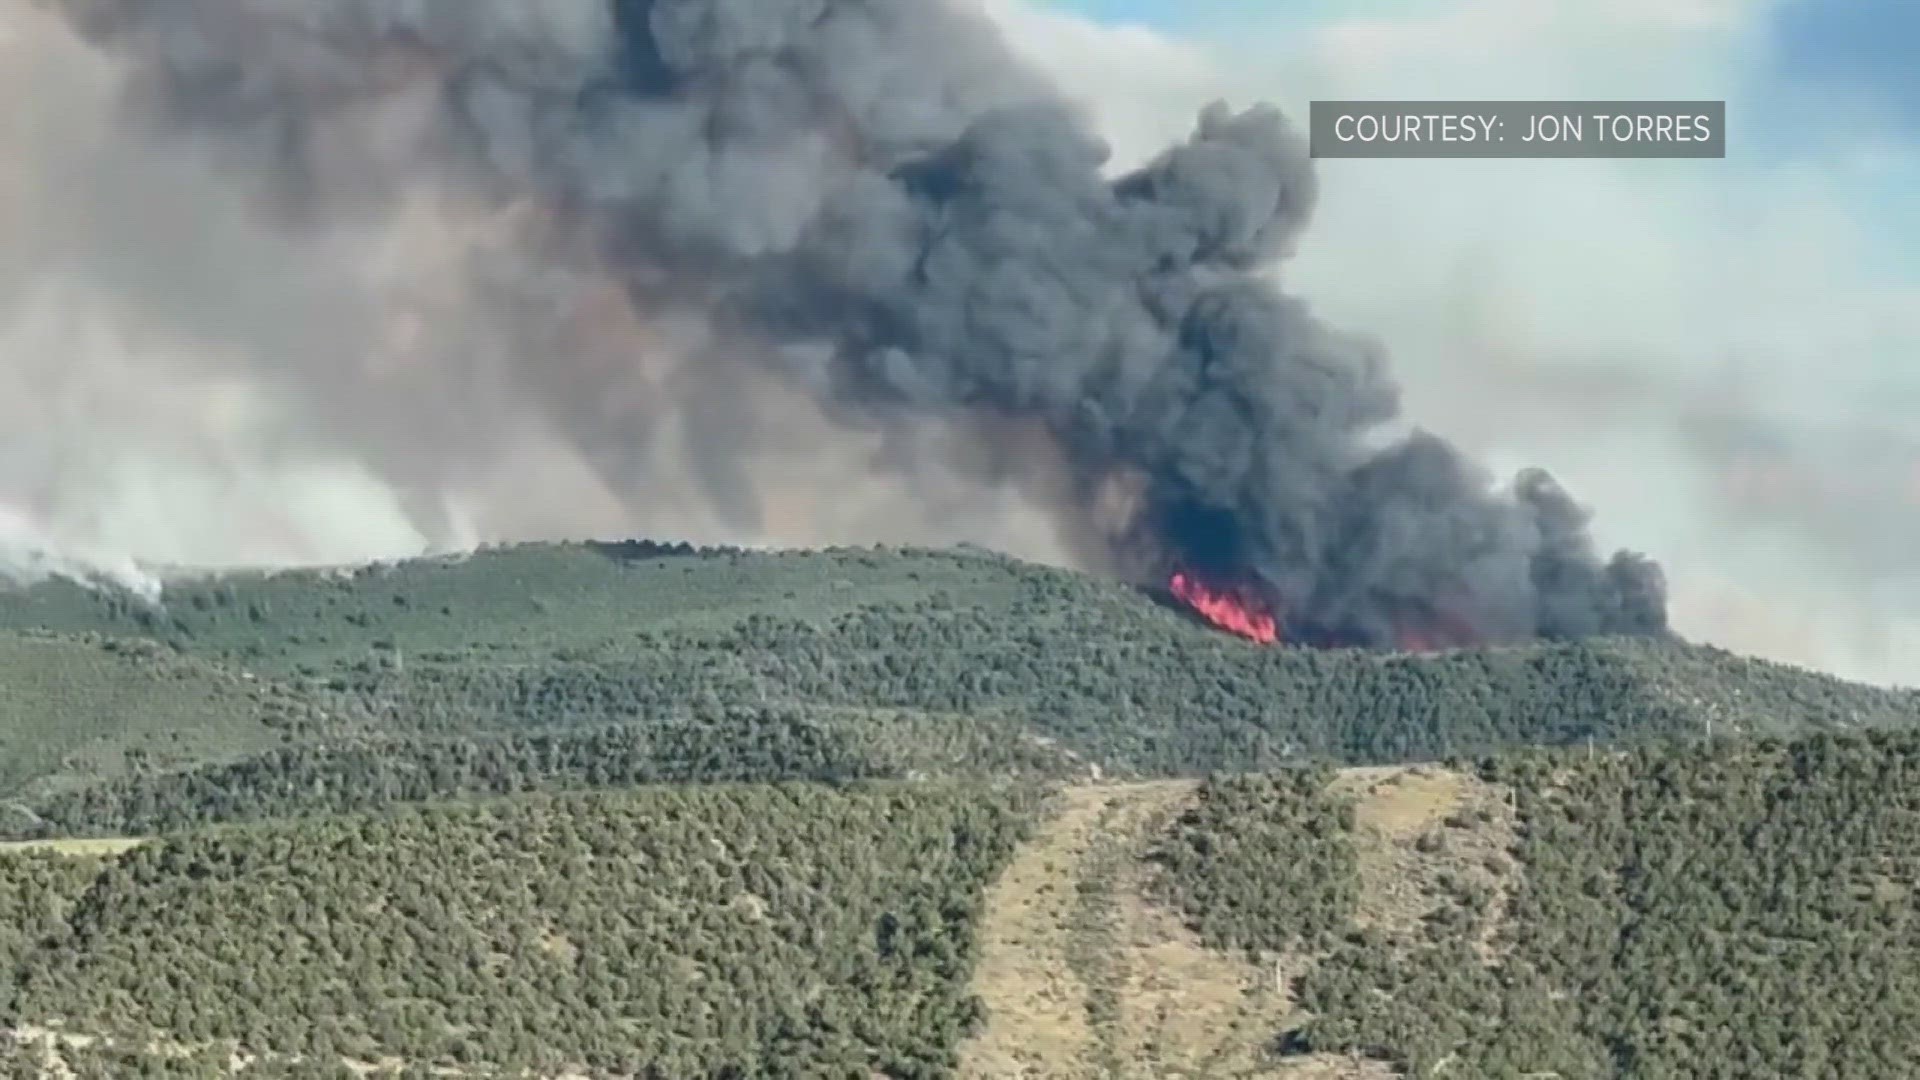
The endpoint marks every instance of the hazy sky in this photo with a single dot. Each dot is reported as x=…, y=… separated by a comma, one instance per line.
x=1720, y=356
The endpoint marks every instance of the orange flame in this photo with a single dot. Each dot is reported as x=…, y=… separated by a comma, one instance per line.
x=1227, y=609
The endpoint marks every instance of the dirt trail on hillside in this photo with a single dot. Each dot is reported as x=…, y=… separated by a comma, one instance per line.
x=1085, y=975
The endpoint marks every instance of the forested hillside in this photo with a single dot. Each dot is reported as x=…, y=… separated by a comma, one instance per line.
x=581, y=666
x=1736, y=909
x=693, y=931
x=77, y=707
x=632, y=811
x=1728, y=911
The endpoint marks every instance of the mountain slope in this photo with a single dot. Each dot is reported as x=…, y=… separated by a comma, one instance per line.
x=80, y=708
x=682, y=932
x=521, y=668
x=1728, y=909
x=619, y=811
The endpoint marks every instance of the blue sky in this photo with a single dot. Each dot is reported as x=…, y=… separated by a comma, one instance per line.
x=1613, y=321
x=1865, y=50
x=1831, y=85
x=1846, y=74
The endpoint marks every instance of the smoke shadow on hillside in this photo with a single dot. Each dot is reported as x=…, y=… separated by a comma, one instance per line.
x=627, y=552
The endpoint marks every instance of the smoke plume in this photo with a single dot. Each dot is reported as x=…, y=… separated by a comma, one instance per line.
x=782, y=230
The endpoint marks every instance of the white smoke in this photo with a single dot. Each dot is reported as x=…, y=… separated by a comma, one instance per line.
x=1586, y=316
x=181, y=385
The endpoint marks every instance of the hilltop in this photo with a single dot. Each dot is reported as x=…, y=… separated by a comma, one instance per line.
x=636, y=810
x=582, y=665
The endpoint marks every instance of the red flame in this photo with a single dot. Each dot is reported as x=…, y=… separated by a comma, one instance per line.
x=1435, y=628
x=1228, y=609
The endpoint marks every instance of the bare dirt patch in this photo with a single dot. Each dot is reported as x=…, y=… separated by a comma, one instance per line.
x=103, y=847
x=1428, y=839
x=1402, y=802
x=1334, y=1067
x=1180, y=1009
x=1084, y=975
x=1036, y=1003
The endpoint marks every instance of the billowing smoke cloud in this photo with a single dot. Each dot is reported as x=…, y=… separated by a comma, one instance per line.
x=1718, y=354
x=791, y=224
x=186, y=380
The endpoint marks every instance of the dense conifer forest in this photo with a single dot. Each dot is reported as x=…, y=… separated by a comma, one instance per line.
x=592, y=665
x=643, y=810
x=831, y=930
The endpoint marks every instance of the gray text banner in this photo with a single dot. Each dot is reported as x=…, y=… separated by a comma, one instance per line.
x=1518, y=129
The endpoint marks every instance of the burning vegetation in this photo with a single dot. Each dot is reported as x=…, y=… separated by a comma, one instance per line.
x=1241, y=611
x=1233, y=610
x=874, y=206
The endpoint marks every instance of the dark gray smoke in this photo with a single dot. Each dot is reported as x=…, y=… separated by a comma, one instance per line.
x=871, y=201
